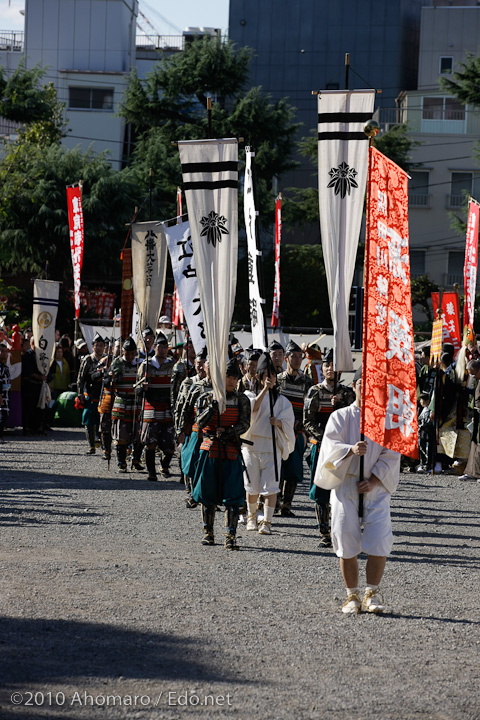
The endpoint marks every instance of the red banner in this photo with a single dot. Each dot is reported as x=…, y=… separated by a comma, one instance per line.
x=451, y=318
x=177, y=310
x=389, y=410
x=179, y=204
x=471, y=262
x=75, y=223
x=276, y=291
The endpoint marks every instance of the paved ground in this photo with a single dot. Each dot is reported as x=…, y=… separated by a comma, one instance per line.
x=111, y=607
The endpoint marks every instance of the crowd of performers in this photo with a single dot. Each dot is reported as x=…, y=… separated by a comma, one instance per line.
x=142, y=405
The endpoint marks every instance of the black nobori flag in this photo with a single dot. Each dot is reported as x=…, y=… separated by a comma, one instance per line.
x=342, y=177
x=210, y=182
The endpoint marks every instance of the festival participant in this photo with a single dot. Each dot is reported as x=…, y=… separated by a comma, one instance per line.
x=32, y=381
x=125, y=410
x=4, y=388
x=249, y=380
x=294, y=385
x=186, y=426
x=59, y=374
x=219, y=475
x=183, y=368
x=472, y=469
x=322, y=399
x=338, y=469
x=313, y=367
x=259, y=476
x=90, y=388
x=277, y=353
x=148, y=339
x=157, y=427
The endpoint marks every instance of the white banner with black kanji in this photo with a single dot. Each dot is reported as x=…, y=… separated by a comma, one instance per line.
x=253, y=256
x=342, y=177
x=149, y=264
x=210, y=183
x=180, y=247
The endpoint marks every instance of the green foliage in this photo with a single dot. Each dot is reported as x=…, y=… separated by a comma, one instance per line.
x=422, y=288
x=465, y=86
x=171, y=105
x=33, y=210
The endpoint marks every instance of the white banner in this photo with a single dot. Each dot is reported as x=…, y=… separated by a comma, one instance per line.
x=342, y=177
x=180, y=247
x=256, y=301
x=149, y=264
x=210, y=182
x=45, y=307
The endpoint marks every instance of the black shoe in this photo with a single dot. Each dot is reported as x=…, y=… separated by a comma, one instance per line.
x=231, y=542
x=190, y=502
x=122, y=467
x=286, y=512
x=325, y=541
x=208, y=539
x=137, y=466
x=152, y=477
x=90, y=451
x=166, y=473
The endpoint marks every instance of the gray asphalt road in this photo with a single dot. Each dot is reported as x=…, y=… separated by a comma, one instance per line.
x=112, y=608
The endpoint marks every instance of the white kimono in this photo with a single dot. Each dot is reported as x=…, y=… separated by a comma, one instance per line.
x=259, y=457
x=340, y=473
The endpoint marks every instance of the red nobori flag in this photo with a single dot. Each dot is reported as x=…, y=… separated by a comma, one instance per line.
x=177, y=310
x=389, y=409
x=450, y=316
x=75, y=222
x=471, y=261
x=278, y=236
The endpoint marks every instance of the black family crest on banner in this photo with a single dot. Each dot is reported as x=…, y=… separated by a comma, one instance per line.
x=214, y=226
x=342, y=179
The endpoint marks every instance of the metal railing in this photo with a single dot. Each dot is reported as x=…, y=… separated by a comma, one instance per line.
x=160, y=42
x=418, y=200
x=8, y=127
x=455, y=202
x=453, y=279
x=12, y=41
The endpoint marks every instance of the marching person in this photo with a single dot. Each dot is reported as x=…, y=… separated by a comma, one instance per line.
x=259, y=476
x=277, y=353
x=219, y=475
x=249, y=380
x=148, y=337
x=319, y=405
x=294, y=385
x=125, y=409
x=472, y=469
x=157, y=427
x=313, y=368
x=183, y=368
x=32, y=381
x=4, y=388
x=89, y=388
x=338, y=469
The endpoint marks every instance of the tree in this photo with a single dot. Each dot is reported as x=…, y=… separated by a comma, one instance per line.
x=422, y=288
x=465, y=86
x=172, y=105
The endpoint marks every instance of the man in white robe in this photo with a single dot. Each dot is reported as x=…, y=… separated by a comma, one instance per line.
x=260, y=479
x=338, y=469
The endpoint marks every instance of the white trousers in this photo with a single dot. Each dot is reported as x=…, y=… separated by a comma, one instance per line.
x=261, y=472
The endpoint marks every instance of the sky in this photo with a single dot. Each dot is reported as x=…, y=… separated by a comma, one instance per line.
x=168, y=18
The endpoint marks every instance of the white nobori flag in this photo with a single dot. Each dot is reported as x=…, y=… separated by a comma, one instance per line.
x=180, y=247
x=342, y=177
x=149, y=263
x=45, y=308
x=256, y=300
x=210, y=182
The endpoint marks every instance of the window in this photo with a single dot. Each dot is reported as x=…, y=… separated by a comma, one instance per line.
x=418, y=195
x=417, y=263
x=442, y=108
x=85, y=98
x=446, y=65
x=456, y=261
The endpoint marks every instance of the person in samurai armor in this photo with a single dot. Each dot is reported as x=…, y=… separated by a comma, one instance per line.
x=126, y=409
x=219, y=474
x=338, y=469
x=277, y=353
x=249, y=380
x=293, y=385
x=4, y=388
x=313, y=367
x=187, y=426
x=148, y=337
x=262, y=473
x=183, y=368
x=157, y=426
x=183, y=431
x=89, y=385
x=322, y=399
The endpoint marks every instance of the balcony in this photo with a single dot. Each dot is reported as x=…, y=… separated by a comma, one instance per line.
x=418, y=200
x=8, y=128
x=11, y=41
x=452, y=279
x=456, y=202
x=156, y=43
